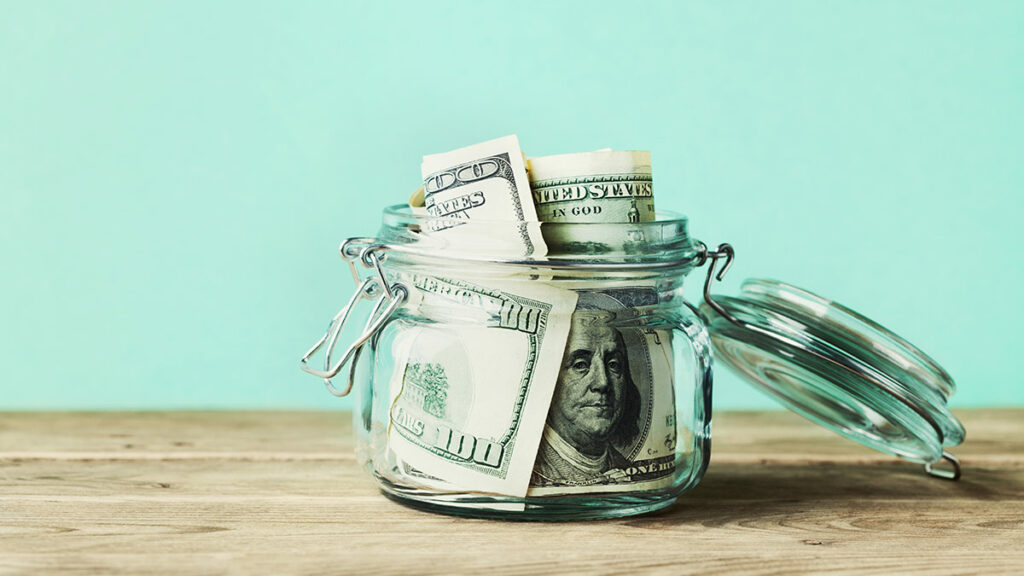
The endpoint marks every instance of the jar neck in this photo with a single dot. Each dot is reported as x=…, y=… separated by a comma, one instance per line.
x=644, y=250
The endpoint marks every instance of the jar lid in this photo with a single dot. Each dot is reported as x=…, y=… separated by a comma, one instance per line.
x=837, y=368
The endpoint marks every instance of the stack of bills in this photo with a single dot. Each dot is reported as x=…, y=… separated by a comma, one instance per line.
x=537, y=389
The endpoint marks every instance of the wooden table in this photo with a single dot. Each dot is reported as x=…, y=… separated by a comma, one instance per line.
x=279, y=493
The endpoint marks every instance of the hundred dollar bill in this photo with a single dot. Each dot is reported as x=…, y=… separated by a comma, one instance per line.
x=472, y=392
x=602, y=186
x=487, y=182
x=609, y=186
x=417, y=199
x=611, y=426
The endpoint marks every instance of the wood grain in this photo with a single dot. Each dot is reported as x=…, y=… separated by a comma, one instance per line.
x=281, y=493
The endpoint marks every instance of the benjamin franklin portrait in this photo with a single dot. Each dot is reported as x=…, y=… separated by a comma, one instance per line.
x=595, y=406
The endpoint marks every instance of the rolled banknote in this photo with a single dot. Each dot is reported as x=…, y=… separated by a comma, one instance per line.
x=602, y=186
x=472, y=393
x=488, y=182
x=417, y=200
x=609, y=186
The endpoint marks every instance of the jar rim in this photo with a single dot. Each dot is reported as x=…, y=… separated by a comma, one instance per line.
x=663, y=243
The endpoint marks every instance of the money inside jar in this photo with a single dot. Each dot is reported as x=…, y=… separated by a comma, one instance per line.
x=544, y=387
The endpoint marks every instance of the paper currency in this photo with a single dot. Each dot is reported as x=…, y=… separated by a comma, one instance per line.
x=521, y=388
x=417, y=199
x=602, y=186
x=473, y=391
x=488, y=182
x=611, y=425
x=606, y=186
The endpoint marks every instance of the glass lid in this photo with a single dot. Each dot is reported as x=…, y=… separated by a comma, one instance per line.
x=837, y=368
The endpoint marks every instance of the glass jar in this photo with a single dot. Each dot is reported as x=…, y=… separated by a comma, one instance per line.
x=495, y=326
x=578, y=384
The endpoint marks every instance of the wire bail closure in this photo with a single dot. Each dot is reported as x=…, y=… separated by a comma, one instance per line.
x=703, y=255
x=374, y=287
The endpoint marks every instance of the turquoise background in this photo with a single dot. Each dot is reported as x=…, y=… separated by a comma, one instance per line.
x=176, y=176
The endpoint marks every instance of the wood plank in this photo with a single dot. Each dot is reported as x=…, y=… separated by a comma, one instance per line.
x=142, y=434
x=246, y=496
x=368, y=533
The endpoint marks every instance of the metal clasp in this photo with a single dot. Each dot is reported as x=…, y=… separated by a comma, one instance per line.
x=375, y=287
x=953, y=473
x=703, y=255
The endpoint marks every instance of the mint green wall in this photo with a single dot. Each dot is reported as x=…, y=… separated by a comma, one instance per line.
x=176, y=176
